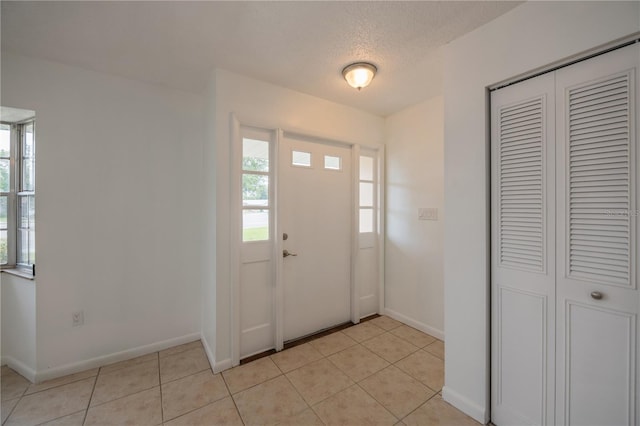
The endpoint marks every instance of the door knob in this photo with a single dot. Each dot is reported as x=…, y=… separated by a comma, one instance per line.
x=286, y=253
x=596, y=295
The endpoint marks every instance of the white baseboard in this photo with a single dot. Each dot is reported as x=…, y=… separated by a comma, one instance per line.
x=19, y=367
x=208, y=351
x=415, y=324
x=75, y=367
x=470, y=408
x=225, y=364
x=217, y=367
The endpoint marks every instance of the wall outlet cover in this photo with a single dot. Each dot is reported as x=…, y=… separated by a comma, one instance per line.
x=77, y=318
x=427, y=213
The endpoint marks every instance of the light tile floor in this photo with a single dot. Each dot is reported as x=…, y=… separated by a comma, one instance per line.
x=379, y=372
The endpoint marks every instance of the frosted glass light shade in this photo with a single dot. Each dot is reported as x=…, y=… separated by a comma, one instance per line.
x=359, y=75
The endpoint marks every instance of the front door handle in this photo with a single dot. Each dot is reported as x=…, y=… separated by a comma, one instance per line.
x=286, y=253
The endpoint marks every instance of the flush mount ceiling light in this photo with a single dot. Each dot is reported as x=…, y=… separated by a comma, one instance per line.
x=360, y=74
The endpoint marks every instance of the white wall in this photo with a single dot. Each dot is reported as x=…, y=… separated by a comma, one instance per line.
x=119, y=173
x=263, y=105
x=414, y=290
x=528, y=37
x=19, y=324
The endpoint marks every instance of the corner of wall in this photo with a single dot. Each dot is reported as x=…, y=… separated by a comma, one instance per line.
x=19, y=367
x=473, y=410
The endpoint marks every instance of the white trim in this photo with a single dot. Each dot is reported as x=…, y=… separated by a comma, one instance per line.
x=208, y=351
x=234, y=243
x=235, y=226
x=355, y=232
x=100, y=361
x=475, y=411
x=225, y=364
x=297, y=132
x=216, y=367
x=563, y=63
x=278, y=307
x=21, y=368
x=415, y=324
x=381, y=226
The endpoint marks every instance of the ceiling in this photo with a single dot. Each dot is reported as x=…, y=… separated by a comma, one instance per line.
x=300, y=45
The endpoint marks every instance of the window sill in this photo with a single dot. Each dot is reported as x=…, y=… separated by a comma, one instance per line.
x=20, y=273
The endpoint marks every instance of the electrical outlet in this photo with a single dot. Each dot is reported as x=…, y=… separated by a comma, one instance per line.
x=427, y=214
x=77, y=318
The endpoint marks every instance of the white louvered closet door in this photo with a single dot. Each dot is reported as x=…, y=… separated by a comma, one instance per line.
x=523, y=253
x=597, y=289
x=565, y=297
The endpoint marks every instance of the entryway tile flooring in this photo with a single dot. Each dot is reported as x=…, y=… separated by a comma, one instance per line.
x=379, y=372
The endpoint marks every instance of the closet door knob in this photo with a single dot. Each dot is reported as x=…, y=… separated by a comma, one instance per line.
x=596, y=295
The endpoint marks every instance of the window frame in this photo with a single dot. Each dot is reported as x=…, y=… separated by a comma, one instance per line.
x=261, y=135
x=16, y=192
x=374, y=196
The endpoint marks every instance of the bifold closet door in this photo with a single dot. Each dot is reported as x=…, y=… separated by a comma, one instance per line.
x=565, y=298
x=523, y=253
x=597, y=291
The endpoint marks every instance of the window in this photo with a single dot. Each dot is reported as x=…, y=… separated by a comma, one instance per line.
x=5, y=190
x=367, y=194
x=332, y=163
x=17, y=194
x=301, y=158
x=255, y=190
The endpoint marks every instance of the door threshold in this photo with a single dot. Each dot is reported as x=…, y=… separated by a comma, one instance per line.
x=306, y=339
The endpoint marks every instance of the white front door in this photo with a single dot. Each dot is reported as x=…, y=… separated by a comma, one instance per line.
x=315, y=193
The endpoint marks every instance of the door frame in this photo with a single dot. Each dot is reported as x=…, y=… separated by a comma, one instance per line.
x=235, y=222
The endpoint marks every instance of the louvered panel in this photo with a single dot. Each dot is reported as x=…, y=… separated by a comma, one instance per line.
x=521, y=220
x=600, y=167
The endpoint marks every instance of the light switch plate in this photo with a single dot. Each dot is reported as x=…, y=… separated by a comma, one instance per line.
x=427, y=214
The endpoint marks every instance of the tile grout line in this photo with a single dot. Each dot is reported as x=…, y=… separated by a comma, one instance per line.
x=14, y=407
x=206, y=405
x=415, y=378
x=60, y=385
x=398, y=419
x=420, y=406
x=93, y=389
x=346, y=374
x=122, y=397
x=311, y=406
x=232, y=398
x=305, y=401
x=341, y=390
x=160, y=384
x=409, y=375
x=307, y=364
x=58, y=418
x=12, y=410
x=300, y=395
x=188, y=375
x=257, y=384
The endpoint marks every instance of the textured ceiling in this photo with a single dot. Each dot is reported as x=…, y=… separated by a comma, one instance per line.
x=300, y=45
